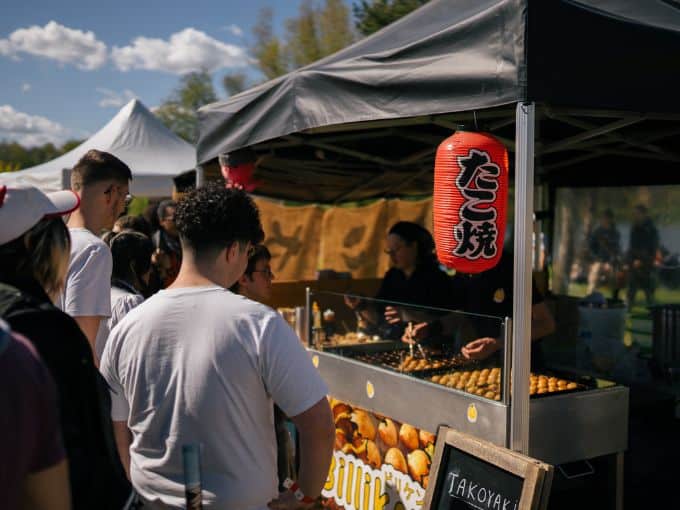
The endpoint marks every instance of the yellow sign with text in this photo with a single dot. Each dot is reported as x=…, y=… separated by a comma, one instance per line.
x=355, y=485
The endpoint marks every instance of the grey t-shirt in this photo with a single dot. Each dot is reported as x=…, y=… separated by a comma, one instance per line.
x=88, y=284
x=203, y=365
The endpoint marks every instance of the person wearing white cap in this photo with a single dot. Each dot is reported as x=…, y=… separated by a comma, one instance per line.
x=34, y=254
x=102, y=182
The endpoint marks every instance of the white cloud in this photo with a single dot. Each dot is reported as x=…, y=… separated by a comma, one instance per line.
x=25, y=87
x=234, y=30
x=29, y=130
x=113, y=99
x=185, y=51
x=56, y=42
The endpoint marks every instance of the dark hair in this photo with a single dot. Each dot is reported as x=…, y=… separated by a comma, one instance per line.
x=97, y=166
x=411, y=233
x=38, y=255
x=214, y=217
x=608, y=213
x=260, y=252
x=136, y=223
x=150, y=214
x=641, y=208
x=163, y=208
x=131, y=252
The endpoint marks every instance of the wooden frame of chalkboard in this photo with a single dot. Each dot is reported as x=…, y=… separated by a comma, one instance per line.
x=467, y=472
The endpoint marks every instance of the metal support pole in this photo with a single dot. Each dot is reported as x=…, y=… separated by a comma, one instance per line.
x=505, y=375
x=200, y=176
x=521, y=311
x=308, y=318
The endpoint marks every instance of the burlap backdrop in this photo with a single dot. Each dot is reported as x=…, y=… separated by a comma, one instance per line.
x=304, y=239
x=352, y=239
x=293, y=235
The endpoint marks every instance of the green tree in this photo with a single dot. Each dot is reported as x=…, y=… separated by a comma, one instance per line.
x=234, y=83
x=372, y=15
x=302, y=36
x=335, y=30
x=178, y=112
x=268, y=50
x=319, y=29
x=14, y=156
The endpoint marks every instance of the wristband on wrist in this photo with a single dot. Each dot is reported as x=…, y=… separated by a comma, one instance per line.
x=297, y=492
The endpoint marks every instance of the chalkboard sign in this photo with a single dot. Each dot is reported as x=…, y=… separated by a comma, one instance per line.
x=470, y=473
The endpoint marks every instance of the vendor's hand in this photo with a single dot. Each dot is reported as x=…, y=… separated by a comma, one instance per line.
x=288, y=501
x=481, y=348
x=420, y=332
x=392, y=315
x=352, y=302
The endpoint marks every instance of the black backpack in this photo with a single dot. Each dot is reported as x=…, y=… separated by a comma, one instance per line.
x=96, y=474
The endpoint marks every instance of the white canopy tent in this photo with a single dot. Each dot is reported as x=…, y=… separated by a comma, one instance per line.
x=136, y=136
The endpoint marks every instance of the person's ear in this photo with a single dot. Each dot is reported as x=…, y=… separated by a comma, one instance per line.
x=232, y=252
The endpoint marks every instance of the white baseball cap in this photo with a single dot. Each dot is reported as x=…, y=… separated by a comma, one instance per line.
x=22, y=207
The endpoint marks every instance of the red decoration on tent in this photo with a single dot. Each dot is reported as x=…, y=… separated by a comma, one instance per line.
x=470, y=201
x=240, y=176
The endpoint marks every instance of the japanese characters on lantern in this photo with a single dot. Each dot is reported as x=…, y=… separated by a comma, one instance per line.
x=470, y=201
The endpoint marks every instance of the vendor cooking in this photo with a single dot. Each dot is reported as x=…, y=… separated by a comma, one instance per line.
x=415, y=278
x=490, y=294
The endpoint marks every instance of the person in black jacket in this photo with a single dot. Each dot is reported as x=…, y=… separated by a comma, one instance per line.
x=34, y=255
x=415, y=278
x=644, y=243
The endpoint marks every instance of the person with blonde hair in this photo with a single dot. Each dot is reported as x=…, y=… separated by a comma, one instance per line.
x=34, y=258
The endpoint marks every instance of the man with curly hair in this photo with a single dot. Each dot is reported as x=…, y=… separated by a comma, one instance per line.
x=198, y=364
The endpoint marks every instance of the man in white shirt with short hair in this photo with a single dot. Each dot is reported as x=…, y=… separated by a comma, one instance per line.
x=101, y=181
x=196, y=363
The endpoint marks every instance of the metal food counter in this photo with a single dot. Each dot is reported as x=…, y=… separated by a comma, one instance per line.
x=578, y=425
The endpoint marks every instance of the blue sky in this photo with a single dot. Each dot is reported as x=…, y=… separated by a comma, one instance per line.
x=66, y=67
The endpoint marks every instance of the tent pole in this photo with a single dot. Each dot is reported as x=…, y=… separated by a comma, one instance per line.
x=200, y=176
x=521, y=312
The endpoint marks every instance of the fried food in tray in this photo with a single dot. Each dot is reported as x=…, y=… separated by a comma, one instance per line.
x=487, y=383
x=397, y=360
x=352, y=338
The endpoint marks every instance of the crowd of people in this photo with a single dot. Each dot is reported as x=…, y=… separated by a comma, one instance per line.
x=123, y=343
x=633, y=269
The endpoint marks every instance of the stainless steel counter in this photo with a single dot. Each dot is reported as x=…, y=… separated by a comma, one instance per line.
x=563, y=427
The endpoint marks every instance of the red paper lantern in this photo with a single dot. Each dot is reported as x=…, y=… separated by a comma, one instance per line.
x=470, y=201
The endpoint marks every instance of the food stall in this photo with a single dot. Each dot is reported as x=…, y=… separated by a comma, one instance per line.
x=365, y=122
x=380, y=390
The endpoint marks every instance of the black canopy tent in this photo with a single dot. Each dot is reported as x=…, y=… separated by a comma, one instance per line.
x=584, y=90
x=365, y=122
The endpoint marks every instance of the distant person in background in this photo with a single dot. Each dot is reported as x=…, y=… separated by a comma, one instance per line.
x=34, y=469
x=150, y=214
x=131, y=253
x=136, y=223
x=644, y=243
x=102, y=182
x=604, y=244
x=168, y=254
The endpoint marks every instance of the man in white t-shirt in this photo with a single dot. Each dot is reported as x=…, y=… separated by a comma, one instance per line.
x=102, y=182
x=196, y=363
